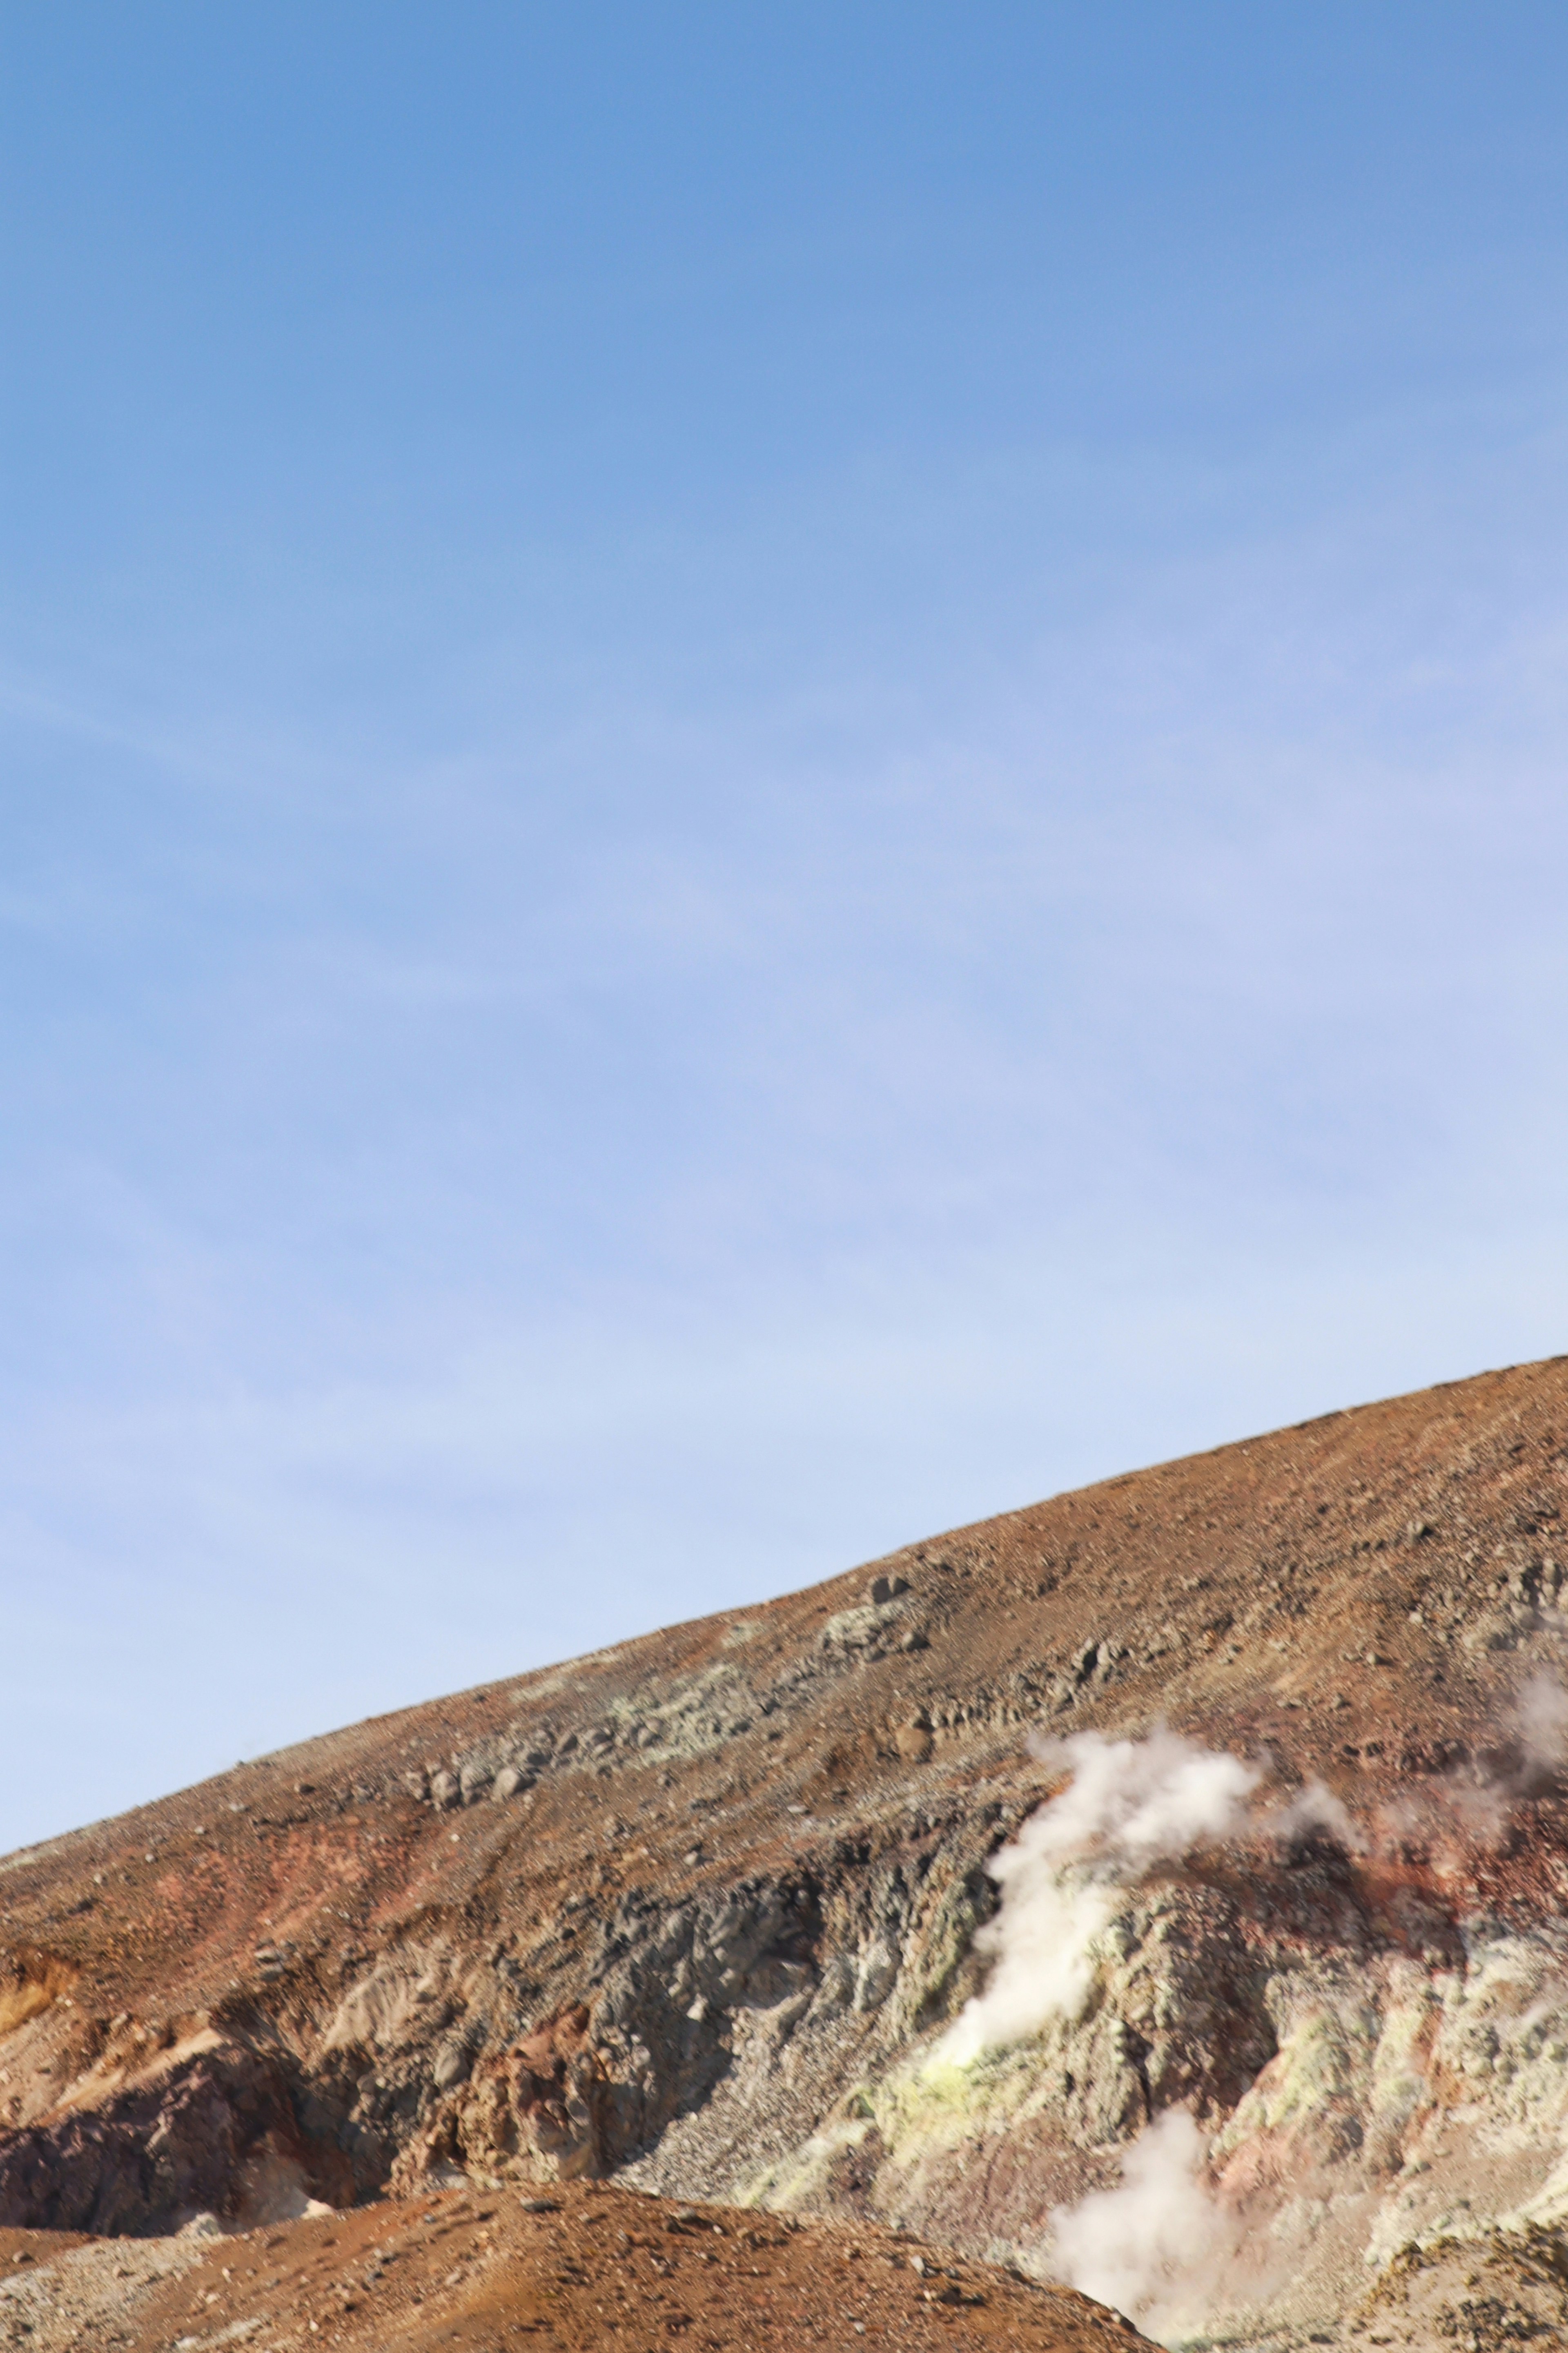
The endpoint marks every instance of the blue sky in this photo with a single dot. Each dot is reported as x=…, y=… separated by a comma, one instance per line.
x=768, y=776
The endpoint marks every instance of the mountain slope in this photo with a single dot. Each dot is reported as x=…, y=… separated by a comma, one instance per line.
x=571, y=2271
x=699, y=1910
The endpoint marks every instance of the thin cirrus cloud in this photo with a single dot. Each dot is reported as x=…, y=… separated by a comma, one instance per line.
x=718, y=851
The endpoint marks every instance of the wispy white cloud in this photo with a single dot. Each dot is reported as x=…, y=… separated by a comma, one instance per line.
x=697, y=1036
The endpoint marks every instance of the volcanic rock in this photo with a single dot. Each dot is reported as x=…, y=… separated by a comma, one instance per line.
x=715, y=1930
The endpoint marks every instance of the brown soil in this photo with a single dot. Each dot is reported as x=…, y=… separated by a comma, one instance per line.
x=589, y=2266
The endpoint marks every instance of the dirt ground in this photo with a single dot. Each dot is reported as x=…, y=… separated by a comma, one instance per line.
x=589, y=2266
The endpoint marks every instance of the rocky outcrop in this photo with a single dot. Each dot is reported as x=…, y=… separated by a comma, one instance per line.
x=219, y=2131
x=699, y=1911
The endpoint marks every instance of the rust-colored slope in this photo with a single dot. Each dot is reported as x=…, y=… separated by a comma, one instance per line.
x=581, y=2270
x=548, y=1927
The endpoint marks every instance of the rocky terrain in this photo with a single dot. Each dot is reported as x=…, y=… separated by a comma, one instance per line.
x=586, y=2267
x=1241, y=2001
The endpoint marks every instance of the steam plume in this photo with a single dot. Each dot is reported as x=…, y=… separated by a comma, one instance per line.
x=1314, y=1807
x=1150, y=2246
x=1160, y=2247
x=1129, y=1805
x=1541, y=1712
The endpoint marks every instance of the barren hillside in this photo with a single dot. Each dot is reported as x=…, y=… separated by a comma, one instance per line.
x=701, y=1914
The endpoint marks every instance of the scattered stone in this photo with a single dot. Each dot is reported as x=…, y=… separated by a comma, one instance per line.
x=450, y=2064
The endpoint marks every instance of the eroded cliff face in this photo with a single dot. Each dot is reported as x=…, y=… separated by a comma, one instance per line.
x=701, y=1912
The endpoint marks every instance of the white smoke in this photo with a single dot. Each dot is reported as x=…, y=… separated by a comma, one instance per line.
x=1541, y=1714
x=1151, y=2246
x=1129, y=1805
x=1314, y=1808
x=1158, y=2246
x=1473, y=1804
